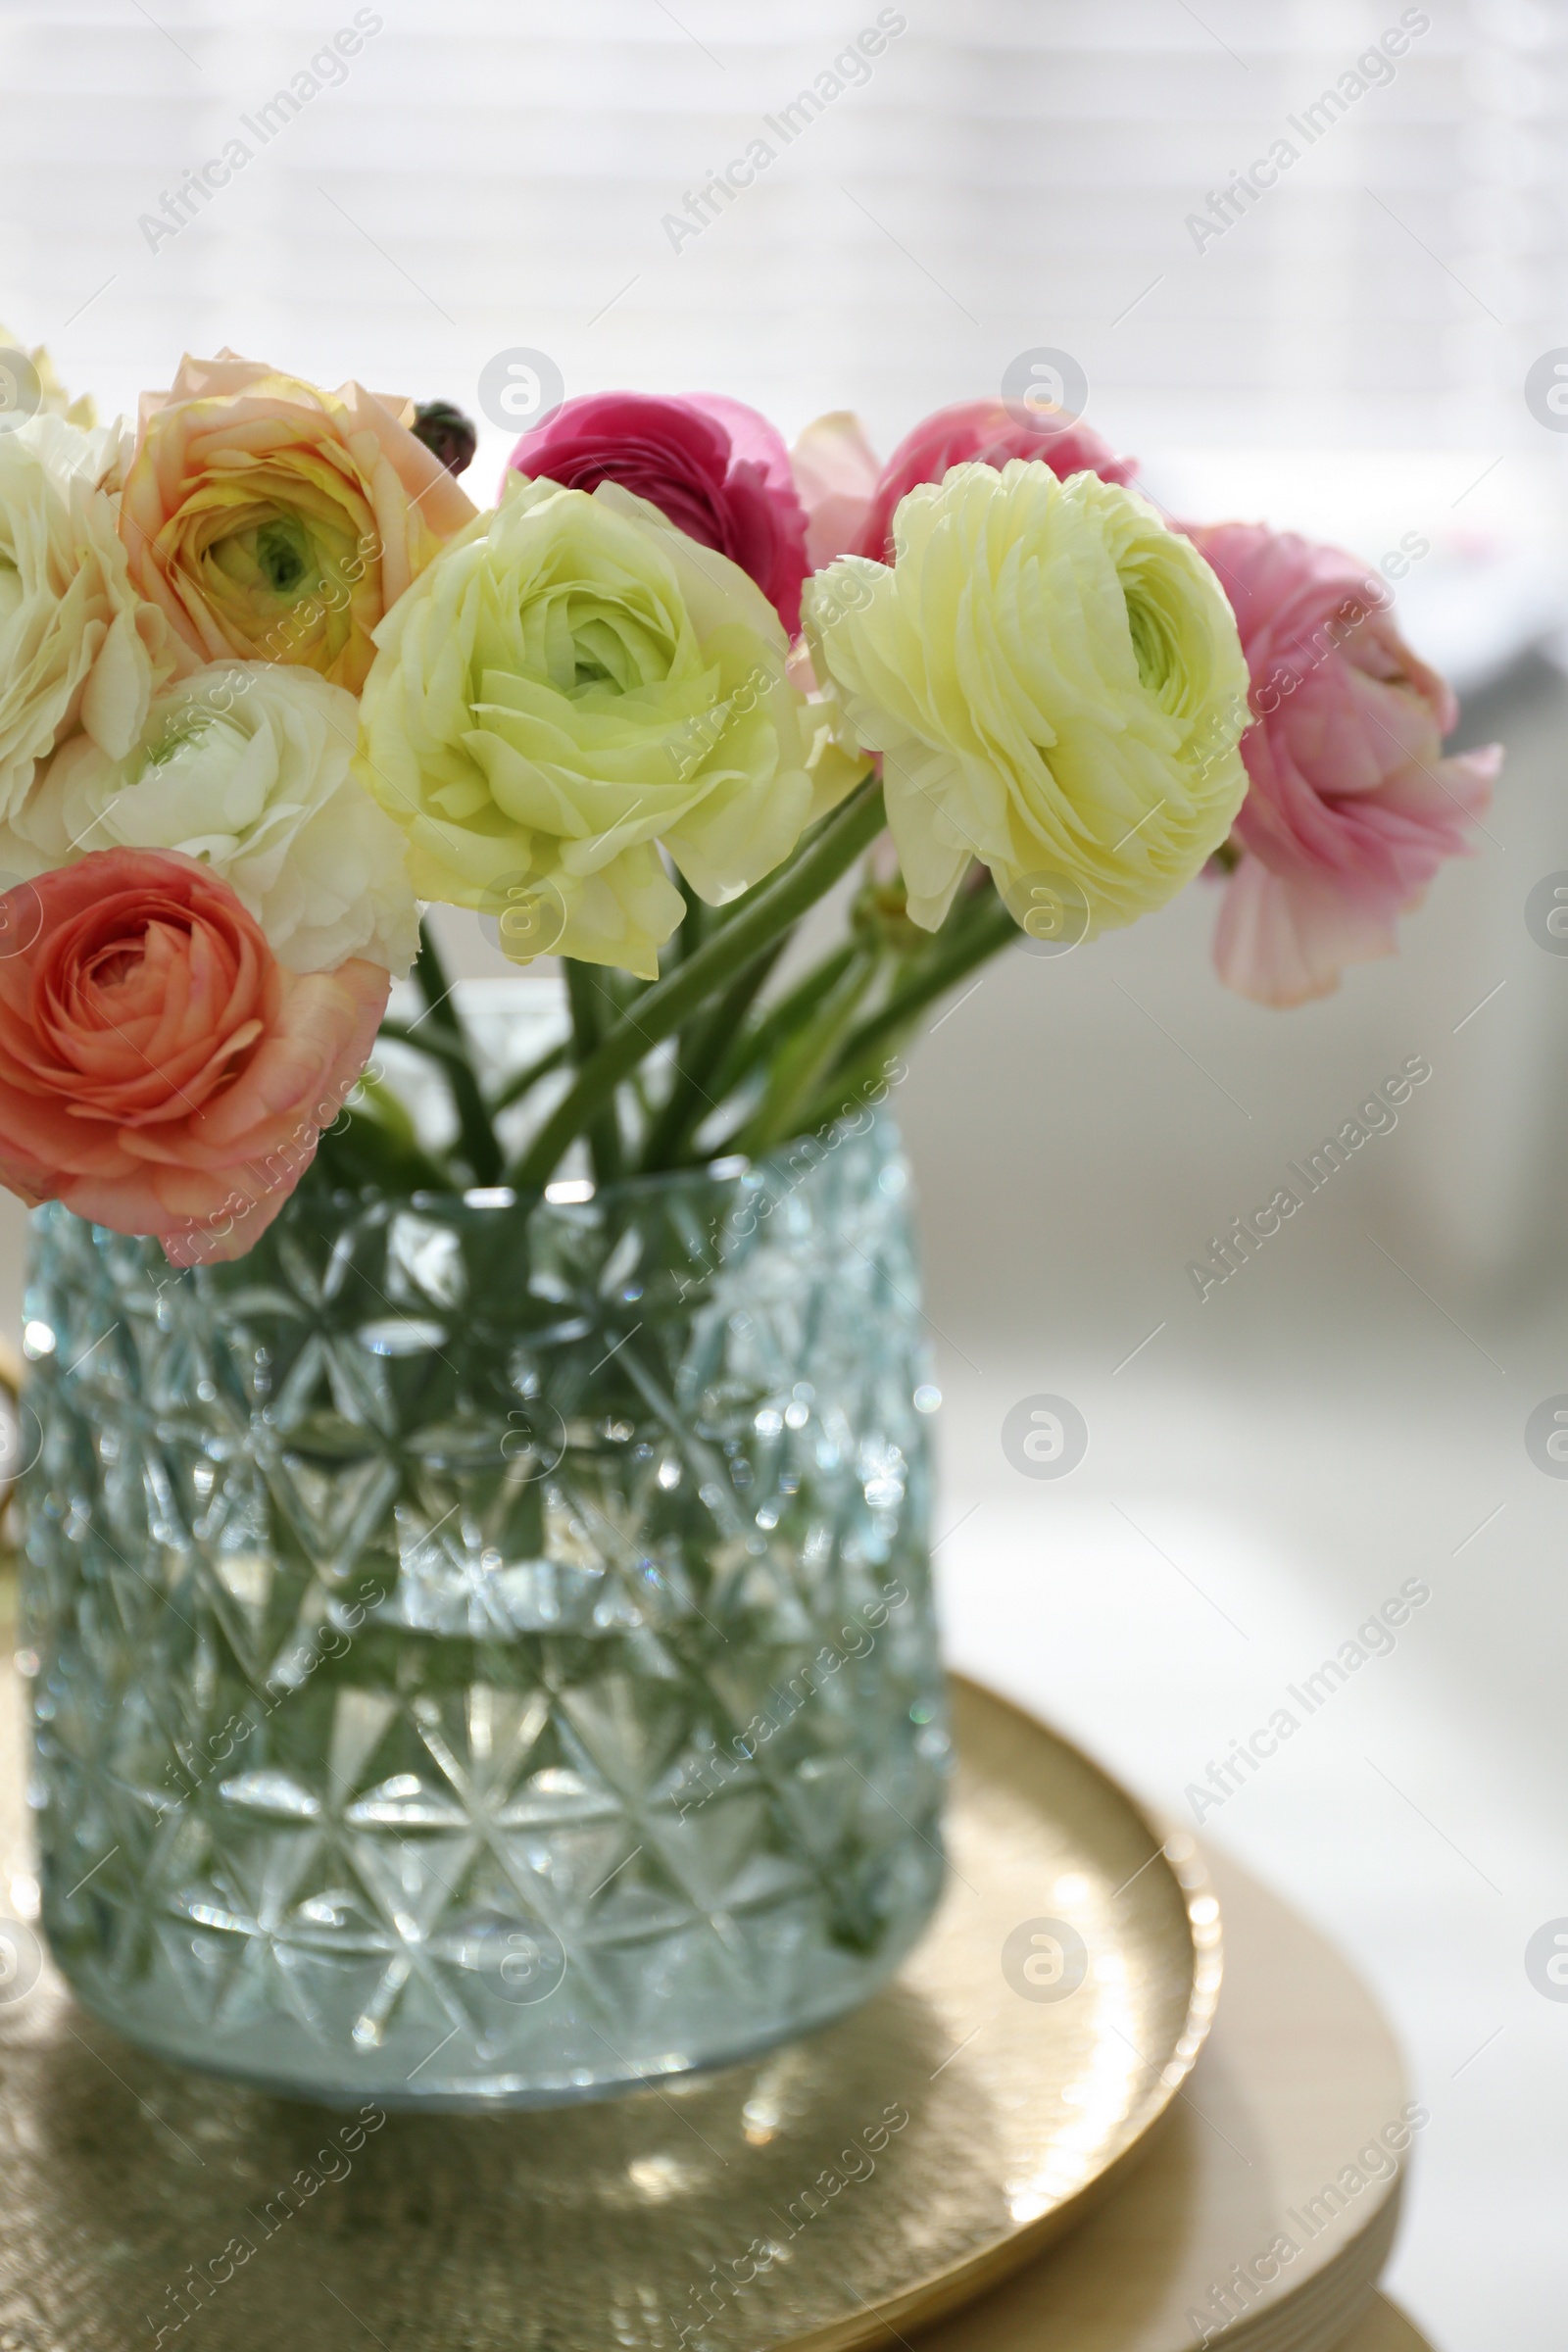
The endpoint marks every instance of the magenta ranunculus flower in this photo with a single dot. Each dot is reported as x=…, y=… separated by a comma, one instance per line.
x=715, y=466
x=1351, y=806
x=832, y=463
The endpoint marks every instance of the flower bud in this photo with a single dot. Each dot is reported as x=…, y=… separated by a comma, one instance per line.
x=446, y=434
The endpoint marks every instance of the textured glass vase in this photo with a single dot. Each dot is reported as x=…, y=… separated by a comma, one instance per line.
x=488, y=1655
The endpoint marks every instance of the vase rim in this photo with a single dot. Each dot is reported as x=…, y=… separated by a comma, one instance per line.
x=578, y=1191
x=581, y=1192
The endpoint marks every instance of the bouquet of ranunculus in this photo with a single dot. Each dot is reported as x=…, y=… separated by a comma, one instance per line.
x=268, y=681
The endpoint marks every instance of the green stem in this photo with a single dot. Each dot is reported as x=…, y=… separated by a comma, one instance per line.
x=810, y=1053
x=588, y=998
x=479, y=1138
x=437, y=1043
x=693, y=929
x=863, y=1050
x=781, y=1021
x=700, y=1049
x=772, y=910
x=366, y=1150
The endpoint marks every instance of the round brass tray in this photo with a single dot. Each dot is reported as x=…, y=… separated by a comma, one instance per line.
x=828, y=2196
x=1261, y=2213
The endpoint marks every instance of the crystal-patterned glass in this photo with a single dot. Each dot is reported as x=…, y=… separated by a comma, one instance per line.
x=486, y=1654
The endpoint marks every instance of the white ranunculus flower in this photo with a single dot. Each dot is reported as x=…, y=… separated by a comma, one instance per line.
x=245, y=767
x=78, y=646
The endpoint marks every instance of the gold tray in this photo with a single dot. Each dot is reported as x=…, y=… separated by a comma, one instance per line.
x=1300, y=2074
x=830, y=2195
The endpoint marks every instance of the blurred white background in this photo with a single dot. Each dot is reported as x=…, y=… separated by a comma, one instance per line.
x=1351, y=358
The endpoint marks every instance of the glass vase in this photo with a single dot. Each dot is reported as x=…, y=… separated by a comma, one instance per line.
x=482, y=1651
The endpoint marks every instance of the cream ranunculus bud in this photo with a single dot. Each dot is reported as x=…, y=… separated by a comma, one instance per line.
x=570, y=687
x=51, y=395
x=1056, y=685
x=247, y=770
x=79, y=648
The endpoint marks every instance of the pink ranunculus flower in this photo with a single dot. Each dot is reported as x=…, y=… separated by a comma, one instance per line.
x=850, y=515
x=716, y=467
x=1350, y=807
x=159, y=1071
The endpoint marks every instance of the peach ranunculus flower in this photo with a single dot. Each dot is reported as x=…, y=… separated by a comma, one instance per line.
x=1350, y=806
x=276, y=522
x=159, y=1071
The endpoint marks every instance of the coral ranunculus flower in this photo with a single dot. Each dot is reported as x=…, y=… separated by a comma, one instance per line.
x=1351, y=806
x=276, y=522
x=716, y=467
x=159, y=1071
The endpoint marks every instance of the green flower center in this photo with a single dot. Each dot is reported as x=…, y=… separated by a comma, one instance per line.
x=282, y=556
x=1152, y=647
x=273, y=558
x=178, y=736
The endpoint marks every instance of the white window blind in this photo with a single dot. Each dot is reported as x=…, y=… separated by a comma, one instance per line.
x=1003, y=175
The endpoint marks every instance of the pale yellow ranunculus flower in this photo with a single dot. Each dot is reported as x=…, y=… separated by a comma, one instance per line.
x=573, y=686
x=1056, y=685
